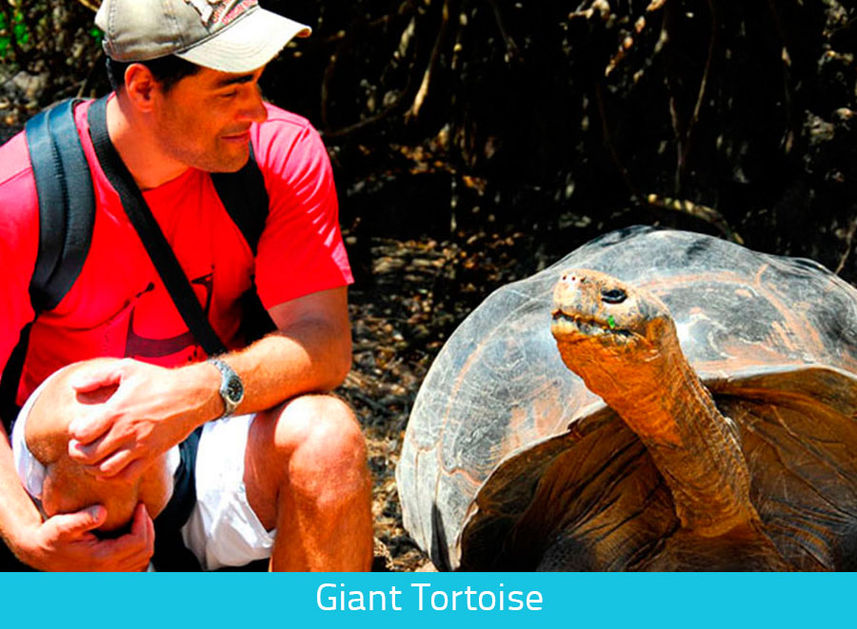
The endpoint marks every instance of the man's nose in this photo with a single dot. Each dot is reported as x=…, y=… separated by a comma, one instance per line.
x=254, y=109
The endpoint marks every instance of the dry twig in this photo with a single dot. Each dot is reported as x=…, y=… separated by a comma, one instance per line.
x=702, y=212
x=700, y=98
x=628, y=43
x=608, y=141
x=849, y=241
x=511, y=46
x=422, y=92
x=406, y=8
x=792, y=132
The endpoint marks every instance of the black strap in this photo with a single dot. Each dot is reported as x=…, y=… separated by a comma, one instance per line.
x=150, y=233
x=11, y=379
x=66, y=203
x=245, y=198
x=66, y=219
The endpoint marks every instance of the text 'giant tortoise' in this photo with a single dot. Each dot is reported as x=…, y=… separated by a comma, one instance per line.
x=737, y=450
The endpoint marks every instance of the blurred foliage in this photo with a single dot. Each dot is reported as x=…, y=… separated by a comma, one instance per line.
x=735, y=118
x=561, y=119
x=50, y=47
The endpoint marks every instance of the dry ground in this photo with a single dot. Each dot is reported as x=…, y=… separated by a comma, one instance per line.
x=410, y=297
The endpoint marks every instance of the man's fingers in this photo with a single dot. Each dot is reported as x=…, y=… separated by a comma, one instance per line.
x=85, y=454
x=146, y=526
x=132, y=551
x=94, y=377
x=74, y=524
x=128, y=552
x=123, y=554
x=140, y=524
x=98, y=451
x=121, y=465
x=124, y=471
x=87, y=428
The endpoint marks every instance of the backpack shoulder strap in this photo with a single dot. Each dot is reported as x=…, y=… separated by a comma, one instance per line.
x=66, y=203
x=66, y=217
x=244, y=196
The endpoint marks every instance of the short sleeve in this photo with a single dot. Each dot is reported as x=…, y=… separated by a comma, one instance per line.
x=301, y=249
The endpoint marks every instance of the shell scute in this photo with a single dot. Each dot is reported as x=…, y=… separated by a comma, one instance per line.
x=499, y=414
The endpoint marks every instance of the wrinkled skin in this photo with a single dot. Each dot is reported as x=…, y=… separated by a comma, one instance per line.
x=622, y=342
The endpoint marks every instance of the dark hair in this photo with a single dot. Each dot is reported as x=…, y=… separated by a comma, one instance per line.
x=167, y=70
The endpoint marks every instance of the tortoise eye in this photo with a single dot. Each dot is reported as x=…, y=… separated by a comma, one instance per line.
x=613, y=296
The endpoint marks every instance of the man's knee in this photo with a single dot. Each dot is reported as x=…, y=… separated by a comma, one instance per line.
x=318, y=444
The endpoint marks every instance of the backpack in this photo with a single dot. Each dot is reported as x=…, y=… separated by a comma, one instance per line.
x=67, y=217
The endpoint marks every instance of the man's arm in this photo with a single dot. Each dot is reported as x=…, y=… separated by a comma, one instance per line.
x=311, y=351
x=155, y=408
x=17, y=511
x=64, y=542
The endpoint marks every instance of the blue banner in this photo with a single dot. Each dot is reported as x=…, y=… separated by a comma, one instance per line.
x=440, y=601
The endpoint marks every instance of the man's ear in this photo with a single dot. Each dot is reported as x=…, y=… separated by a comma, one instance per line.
x=140, y=85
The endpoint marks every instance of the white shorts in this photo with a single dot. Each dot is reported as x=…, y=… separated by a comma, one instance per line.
x=222, y=529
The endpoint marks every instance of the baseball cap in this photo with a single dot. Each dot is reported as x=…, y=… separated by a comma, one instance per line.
x=227, y=35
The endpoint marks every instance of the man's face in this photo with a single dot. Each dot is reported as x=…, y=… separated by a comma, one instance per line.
x=204, y=120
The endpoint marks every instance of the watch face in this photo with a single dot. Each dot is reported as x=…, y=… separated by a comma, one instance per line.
x=234, y=389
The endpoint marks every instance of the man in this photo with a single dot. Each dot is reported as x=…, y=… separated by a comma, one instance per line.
x=290, y=477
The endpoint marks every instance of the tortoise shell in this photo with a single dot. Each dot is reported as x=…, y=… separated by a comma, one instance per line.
x=510, y=462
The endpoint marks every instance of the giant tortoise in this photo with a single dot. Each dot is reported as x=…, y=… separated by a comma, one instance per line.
x=712, y=426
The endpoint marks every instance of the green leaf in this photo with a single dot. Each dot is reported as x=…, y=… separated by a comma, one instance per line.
x=21, y=33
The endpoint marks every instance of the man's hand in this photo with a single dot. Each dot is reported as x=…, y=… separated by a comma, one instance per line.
x=151, y=410
x=66, y=543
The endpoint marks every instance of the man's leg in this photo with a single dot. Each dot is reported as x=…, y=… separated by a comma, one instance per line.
x=66, y=486
x=306, y=475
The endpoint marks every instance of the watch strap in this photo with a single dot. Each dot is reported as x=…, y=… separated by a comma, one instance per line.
x=228, y=379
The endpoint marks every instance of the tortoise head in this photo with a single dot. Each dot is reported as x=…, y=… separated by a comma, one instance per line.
x=622, y=342
x=613, y=335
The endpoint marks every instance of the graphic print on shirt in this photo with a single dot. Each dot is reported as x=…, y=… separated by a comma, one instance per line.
x=138, y=346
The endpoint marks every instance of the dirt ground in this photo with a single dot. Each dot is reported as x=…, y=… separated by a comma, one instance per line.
x=407, y=299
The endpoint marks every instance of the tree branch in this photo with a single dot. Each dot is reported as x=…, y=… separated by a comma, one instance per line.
x=414, y=110
x=702, y=212
x=849, y=241
x=700, y=98
x=92, y=5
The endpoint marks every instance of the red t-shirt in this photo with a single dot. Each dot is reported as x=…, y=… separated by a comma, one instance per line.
x=118, y=306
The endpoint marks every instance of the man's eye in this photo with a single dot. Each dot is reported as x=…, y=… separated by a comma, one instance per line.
x=229, y=94
x=613, y=296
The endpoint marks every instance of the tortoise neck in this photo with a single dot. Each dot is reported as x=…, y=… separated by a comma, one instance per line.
x=694, y=447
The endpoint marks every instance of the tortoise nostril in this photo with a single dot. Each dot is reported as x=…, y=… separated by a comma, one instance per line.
x=572, y=278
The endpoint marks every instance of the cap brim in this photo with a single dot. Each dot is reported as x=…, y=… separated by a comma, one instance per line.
x=247, y=44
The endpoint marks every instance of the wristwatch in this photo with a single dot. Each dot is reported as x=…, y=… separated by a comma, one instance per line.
x=231, y=387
